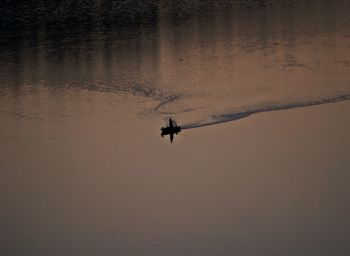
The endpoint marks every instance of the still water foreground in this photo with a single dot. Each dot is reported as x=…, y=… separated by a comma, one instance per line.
x=84, y=171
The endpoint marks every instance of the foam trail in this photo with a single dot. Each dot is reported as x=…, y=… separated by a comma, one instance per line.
x=222, y=118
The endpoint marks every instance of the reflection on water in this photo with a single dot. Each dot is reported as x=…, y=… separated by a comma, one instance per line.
x=228, y=62
x=84, y=172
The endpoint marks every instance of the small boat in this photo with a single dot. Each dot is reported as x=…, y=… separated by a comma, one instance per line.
x=171, y=129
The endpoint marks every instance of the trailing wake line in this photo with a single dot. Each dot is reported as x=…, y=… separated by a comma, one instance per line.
x=222, y=118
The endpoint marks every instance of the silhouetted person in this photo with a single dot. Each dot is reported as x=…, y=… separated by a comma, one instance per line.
x=170, y=130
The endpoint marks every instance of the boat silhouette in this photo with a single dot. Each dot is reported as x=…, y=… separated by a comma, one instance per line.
x=171, y=129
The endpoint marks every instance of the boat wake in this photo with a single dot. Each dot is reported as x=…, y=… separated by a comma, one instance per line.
x=227, y=117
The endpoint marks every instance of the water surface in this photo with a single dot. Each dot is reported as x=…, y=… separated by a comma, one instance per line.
x=85, y=171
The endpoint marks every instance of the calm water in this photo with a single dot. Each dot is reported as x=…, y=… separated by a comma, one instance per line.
x=84, y=170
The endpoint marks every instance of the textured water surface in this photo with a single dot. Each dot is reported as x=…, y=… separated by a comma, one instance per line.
x=84, y=91
x=227, y=62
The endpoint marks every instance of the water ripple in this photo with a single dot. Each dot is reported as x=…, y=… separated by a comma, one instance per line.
x=227, y=117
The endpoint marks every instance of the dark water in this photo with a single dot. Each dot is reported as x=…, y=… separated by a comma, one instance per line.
x=222, y=63
x=84, y=170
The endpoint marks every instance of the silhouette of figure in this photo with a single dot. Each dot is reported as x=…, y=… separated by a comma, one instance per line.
x=171, y=129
